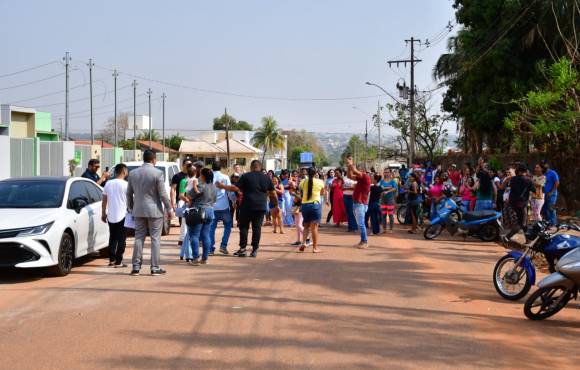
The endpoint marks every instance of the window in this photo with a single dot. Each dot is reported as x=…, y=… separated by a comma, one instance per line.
x=241, y=161
x=31, y=194
x=77, y=190
x=95, y=193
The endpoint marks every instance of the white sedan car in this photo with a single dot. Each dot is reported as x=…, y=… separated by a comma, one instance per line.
x=50, y=221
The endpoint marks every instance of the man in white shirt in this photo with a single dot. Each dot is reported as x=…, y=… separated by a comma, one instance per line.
x=115, y=197
x=221, y=210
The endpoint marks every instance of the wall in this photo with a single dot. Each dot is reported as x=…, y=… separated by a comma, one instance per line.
x=43, y=121
x=22, y=125
x=5, y=155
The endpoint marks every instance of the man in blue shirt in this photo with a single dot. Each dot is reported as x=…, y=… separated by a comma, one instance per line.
x=91, y=172
x=221, y=210
x=551, y=194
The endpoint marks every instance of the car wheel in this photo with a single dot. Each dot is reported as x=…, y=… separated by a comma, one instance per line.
x=65, y=256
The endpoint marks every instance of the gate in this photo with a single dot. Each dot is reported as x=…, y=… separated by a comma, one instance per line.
x=51, y=158
x=23, y=157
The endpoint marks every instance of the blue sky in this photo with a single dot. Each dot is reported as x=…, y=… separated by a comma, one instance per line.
x=306, y=49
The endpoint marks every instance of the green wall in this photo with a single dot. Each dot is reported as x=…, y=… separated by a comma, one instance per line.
x=43, y=121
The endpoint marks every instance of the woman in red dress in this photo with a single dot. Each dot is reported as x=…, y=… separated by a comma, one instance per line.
x=338, y=210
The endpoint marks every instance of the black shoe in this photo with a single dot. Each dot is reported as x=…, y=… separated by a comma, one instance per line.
x=224, y=251
x=120, y=265
x=240, y=253
x=158, y=271
x=134, y=272
x=212, y=252
x=180, y=258
x=254, y=254
x=296, y=244
x=111, y=263
x=187, y=260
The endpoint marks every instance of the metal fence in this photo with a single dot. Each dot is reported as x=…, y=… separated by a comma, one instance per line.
x=85, y=151
x=108, y=158
x=23, y=157
x=51, y=158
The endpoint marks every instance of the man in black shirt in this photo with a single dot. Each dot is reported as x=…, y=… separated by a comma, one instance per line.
x=174, y=197
x=255, y=188
x=520, y=188
x=91, y=172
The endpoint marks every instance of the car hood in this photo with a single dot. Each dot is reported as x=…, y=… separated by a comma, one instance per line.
x=15, y=218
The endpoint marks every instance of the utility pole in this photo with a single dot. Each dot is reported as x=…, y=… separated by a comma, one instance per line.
x=366, y=142
x=379, y=127
x=228, y=136
x=134, y=84
x=91, y=64
x=115, y=75
x=163, y=96
x=412, y=62
x=149, y=92
x=60, y=119
x=66, y=112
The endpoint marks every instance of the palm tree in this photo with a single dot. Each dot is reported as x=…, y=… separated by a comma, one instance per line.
x=269, y=136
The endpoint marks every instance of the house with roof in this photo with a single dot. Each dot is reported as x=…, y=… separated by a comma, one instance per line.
x=201, y=150
x=242, y=139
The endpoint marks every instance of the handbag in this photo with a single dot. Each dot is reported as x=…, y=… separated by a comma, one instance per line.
x=180, y=210
x=194, y=216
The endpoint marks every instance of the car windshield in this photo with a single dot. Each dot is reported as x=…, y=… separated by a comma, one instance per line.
x=31, y=194
x=162, y=169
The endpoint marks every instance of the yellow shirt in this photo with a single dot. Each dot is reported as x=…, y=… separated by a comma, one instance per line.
x=317, y=186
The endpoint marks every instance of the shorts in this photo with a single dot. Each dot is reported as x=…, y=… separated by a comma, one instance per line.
x=311, y=212
x=387, y=209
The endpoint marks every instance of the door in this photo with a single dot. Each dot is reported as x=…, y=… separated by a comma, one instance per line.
x=81, y=220
x=98, y=232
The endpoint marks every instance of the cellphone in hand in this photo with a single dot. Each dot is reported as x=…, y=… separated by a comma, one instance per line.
x=107, y=169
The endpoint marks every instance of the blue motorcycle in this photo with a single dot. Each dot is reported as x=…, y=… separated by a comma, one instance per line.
x=514, y=274
x=483, y=224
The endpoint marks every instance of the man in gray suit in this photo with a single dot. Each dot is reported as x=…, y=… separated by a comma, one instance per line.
x=146, y=198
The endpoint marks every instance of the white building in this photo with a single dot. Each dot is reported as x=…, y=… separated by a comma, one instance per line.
x=273, y=161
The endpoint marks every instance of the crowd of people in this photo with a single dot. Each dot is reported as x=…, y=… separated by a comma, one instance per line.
x=364, y=201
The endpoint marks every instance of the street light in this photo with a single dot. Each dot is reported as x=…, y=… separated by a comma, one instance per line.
x=383, y=90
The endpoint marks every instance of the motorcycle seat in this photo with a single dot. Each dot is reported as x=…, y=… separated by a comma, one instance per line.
x=478, y=215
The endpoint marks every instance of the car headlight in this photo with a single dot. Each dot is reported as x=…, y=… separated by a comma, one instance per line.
x=36, y=230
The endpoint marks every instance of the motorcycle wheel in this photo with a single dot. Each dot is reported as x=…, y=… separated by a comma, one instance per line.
x=504, y=288
x=546, y=302
x=432, y=231
x=489, y=233
x=401, y=213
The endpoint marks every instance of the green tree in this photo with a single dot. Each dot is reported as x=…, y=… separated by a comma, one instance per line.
x=144, y=136
x=549, y=117
x=219, y=123
x=493, y=61
x=430, y=131
x=303, y=141
x=269, y=137
x=174, y=141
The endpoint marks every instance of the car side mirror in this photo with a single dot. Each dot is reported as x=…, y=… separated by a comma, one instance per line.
x=79, y=203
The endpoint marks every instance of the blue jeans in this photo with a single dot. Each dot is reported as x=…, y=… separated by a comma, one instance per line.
x=549, y=209
x=197, y=232
x=359, y=213
x=225, y=216
x=348, y=204
x=185, y=250
x=376, y=217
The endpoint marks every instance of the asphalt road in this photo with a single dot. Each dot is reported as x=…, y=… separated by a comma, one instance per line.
x=403, y=303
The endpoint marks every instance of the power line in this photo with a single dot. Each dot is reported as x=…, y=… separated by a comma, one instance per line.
x=48, y=94
x=257, y=97
x=29, y=69
x=77, y=100
x=31, y=82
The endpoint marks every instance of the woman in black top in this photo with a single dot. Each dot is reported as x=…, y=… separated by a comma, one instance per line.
x=374, y=210
x=413, y=201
